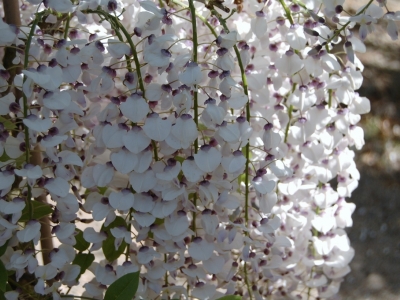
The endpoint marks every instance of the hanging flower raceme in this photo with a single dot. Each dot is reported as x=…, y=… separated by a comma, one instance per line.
x=193, y=147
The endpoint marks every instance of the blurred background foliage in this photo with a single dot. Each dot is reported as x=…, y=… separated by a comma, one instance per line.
x=375, y=234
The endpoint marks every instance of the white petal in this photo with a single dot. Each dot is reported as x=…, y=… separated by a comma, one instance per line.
x=259, y=26
x=191, y=75
x=296, y=38
x=185, y=130
x=61, y=6
x=70, y=158
x=156, y=128
x=136, y=140
x=31, y=230
x=144, y=219
x=5, y=103
x=38, y=78
x=100, y=211
x=6, y=180
x=143, y=182
x=37, y=124
x=154, y=92
x=102, y=174
x=68, y=204
x=58, y=186
x=201, y=250
x=57, y=100
x=112, y=136
x=233, y=164
x=124, y=161
x=237, y=100
x=71, y=73
x=91, y=236
x=191, y=171
x=135, y=108
x=143, y=203
x=65, y=230
x=263, y=185
x=214, y=265
x=176, y=225
x=144, y=160
x=208, y=159
x=229, y=132
x=12, y=147
x=121, y=200
x=12, y=207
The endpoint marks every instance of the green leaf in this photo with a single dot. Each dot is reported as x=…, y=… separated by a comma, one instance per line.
x=180, y=159
x=123, y=288
x=19, y=161
x=3, y=249
x=201, y=127
x=102, y=190
x=108, y=245
x=8, y=124
x=3, y=277
x=4, y=157
x=40, y=210
x=81, y=243
x=84, y=260
x=230, y=297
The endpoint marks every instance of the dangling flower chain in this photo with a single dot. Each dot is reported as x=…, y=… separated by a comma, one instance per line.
x=187, y=148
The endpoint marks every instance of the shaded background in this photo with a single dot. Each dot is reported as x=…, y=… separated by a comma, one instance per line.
x=375, y=234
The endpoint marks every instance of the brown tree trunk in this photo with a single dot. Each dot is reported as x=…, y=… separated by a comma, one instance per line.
x=11, y=12
x=12, y=16
x=46, y=241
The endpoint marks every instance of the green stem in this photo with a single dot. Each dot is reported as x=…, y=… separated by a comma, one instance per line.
x=153, y=143
x=115, y=23
x=246, y=279
x=135, y=57
x=195, y=95
x=194, y=213
x=247, y=148
x=204, y=20
x=337, y=32
x=115, y=26
x=248, y=117
x=195, y=46
x=287, y=11
x=25, y=101
x=300, y=4
x=166, y=273
x=330, y=98
x=67, y=26
x=288, y=124
x=290, y=110
x=128, y=246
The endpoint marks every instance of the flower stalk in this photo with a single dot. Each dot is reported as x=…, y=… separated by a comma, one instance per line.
x=26, y=107
x=115, y=23
x=247, y=148
x=195, y=96
x=287, y=11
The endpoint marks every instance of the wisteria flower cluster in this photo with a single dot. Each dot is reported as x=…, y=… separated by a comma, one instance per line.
x=206, y=147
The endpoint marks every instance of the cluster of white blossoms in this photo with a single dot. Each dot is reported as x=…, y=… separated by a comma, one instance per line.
x=211, y=151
